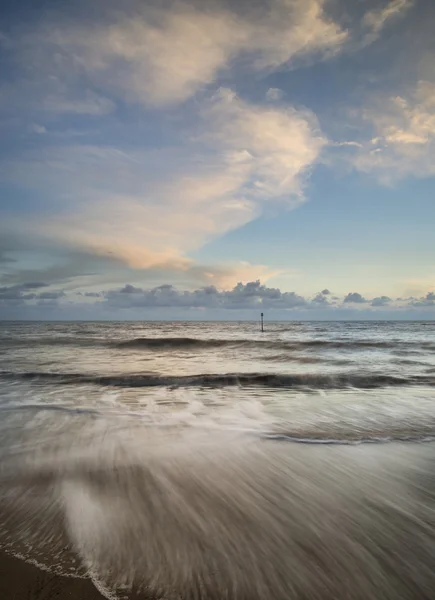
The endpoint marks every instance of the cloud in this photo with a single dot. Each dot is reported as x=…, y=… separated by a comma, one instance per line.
x=49, y=96
x=375, y=20
x=50, y=295
x=163, y=55
x=354, y=298
x=131, y=300
x=33, y=285
x=85, y=103
x=320, y=299
x=218, y=163
x=326, y=292
x=403, y=143
x=381, y=301
x=40, y=129
x=150, y=210
x=426, y=301
x=273, y=146
x=223, y=276
x=18, y=294
x=5, y=258
x=243, y=296
x=160, y=56
x=344, y=144
x=274, y=94
x=252, y=295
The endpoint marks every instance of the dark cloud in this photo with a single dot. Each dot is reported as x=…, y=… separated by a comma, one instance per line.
x=11, y=296
x=18, y=294
x=50, y=295
x=163, y=301
x=242, y=296
x=325, y=292
x=320, y=299
x=34, y=285
x=355, y=298
x=5, y=259
x=381, y=301
x=67, y=267
x=428, y=300
x=130, y=289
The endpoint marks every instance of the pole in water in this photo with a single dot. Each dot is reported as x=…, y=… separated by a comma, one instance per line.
x=262, y=321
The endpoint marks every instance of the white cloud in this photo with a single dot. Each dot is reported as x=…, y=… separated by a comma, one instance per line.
x=162, y=56
x=276, y=145
x=375, y=20
x=40, y=129
x=403, y=143
x=116, y=204
x=274, y=94
x=166, y=57
x=224, y=276
x=294, y=28
x=344, y=144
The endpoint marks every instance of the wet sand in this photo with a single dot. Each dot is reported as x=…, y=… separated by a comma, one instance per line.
x=22, y=581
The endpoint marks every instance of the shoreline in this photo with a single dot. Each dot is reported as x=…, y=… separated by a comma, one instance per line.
x=20, y=580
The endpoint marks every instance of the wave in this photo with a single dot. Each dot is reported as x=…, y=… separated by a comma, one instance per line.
x=223, y=517
x=161, y=343
x=339, y=433
x=187, y=343
x=218, y=380
x=183, y=342
x=353, y=441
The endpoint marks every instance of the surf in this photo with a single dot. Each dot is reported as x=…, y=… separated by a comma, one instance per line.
x=208, y=515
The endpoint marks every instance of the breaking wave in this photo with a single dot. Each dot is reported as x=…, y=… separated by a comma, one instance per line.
x=170, y=343
x=187, y=343
x=157, y=515
x=270, y=380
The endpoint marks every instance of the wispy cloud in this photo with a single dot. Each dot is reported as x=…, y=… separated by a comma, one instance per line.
x=204, y=160
x=50, y=96
x=246, y=157
x=161, y=56
x=403, y=142
x=375, y=20
x=85, y=103
x=274, y=94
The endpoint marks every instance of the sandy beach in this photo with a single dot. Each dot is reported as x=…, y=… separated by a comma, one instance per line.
x=22, y=581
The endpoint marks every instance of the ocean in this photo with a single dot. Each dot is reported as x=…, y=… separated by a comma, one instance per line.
x=211, y=460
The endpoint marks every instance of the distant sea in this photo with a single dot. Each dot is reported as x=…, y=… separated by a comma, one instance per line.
x=171, y=457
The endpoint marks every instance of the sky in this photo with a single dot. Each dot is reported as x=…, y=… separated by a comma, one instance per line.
x=210, y=159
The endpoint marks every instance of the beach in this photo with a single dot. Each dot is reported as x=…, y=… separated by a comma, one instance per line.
x=20, y=580
x=213, y=462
